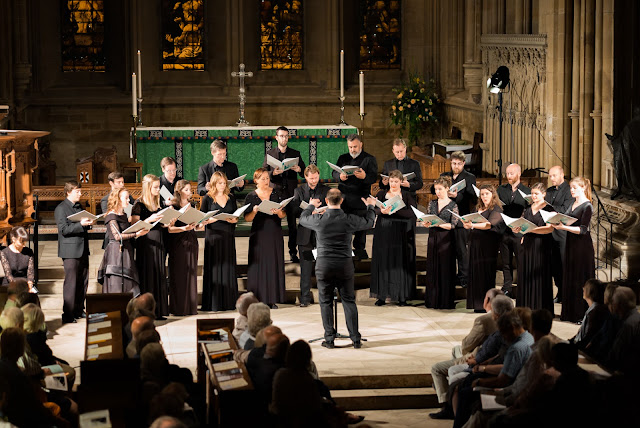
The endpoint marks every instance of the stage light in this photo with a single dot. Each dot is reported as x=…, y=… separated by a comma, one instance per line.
x=499, y=80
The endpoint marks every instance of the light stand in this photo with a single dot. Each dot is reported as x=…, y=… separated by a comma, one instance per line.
x=496, y=84
x=335, y=319
x=499, y=161
x=342, y=122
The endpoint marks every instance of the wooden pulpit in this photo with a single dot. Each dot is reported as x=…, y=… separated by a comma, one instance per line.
x=18, y=161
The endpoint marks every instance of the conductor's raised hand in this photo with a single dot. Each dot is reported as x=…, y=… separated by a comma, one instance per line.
x=315, y=202
x=360, y=174
x=86, y=221
x=369, y=201
x=343, y=176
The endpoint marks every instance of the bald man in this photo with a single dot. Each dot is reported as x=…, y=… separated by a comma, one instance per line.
x=138, y=325
x=559, y=197
x=514, y=205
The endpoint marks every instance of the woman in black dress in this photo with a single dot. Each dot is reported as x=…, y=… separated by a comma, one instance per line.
x=484, y=240
x=150, y=248
x=117, y=272
x=183, y=257
x=535, y=285
x=266, y=244
x=17, y=258
x=441, y=249
x=219, y=278
x=393, y=264
x=579, y=260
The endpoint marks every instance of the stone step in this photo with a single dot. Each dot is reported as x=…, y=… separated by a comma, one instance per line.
x=385, y=399
x=412, y=380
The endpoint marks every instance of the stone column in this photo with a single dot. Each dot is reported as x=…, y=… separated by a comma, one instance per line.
x=586, y=85
x=575, y=92
x=597, y=98
x=21, y=61
x=518, y=27
x=472, y=66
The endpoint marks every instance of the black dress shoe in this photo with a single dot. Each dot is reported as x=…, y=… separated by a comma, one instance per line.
x=81, y=316
x=161, y=318
x=445, y=413
x=304, y=305
x=402, y=303
x=328, y=345
x=380, y=302
x=557, y=300
x=68, y=321
x=273, y=306
x=357, y=345
x=294, y=259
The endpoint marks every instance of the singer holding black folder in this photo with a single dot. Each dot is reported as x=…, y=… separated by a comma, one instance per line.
x=219, y=278
x=118, y=272
x=265, y=276
x=150, y=248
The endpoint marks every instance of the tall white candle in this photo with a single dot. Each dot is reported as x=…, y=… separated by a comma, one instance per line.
x=341, y=73
x=134, y=101
x=139, y=75
x=362, y=92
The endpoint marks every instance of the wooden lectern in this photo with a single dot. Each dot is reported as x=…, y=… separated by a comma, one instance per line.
x=18, y=161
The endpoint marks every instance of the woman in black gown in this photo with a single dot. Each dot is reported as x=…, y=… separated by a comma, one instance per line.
x=183, y=257
x=484, y=240
x=579, y=260
x=219, y=278
x=393, y=264
x=441, y=249
x=266, y=243
x=150, y=248
x=535, y=285
x=117, y=272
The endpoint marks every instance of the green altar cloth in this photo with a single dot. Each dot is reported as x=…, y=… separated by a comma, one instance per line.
x=245, y=146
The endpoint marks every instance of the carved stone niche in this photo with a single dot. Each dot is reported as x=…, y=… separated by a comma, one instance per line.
x=625, y=253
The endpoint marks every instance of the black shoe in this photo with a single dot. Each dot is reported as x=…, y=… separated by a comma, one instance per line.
x=328, y=345
x=273, y=306
x=161, y=318
x=402, y=303
x=81, y=316
x=294, y=259
x=360, y=254
x=68, y=320
x=479, y=311
x=445, y=413
x=357, y=345
x=380, y=302
x=304, y=305
x=557, y=300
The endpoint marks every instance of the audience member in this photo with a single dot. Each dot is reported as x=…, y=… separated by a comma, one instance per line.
x=26, y=298
x=171, y=402
x=138, y=325
x=146, y=337
x=596, y=315
x=624, y=353
x=167, y=422
x=258, y=317
x=14, y=289
x=157, y=373
x=242, y=304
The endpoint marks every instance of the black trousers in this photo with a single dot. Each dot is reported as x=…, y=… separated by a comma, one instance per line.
x=332, y=274
x=76, y=280
x=293, y=229
x=461, y=236
x=306, y=269
x=557, y=263
x=509, y=246
x=360, y=237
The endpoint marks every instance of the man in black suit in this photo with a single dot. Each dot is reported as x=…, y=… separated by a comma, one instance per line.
x=73, y=249
x=510, y=194
x=169, y=176
x=559, y=197
x=286, y=181
x=313, y=193
x=405, y=165
x=357, y=186
x=334, y=266
x=466, y=200
x=219, y=163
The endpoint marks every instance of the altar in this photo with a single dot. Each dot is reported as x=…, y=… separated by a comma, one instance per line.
x=246, y=146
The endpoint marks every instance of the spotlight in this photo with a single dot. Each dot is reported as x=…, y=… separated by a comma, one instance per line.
x=499, y=80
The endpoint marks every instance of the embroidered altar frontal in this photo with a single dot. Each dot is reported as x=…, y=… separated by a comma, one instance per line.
x=246, y=147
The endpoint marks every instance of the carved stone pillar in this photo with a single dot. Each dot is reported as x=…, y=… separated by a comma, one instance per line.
x=472, y=65
x=586, y=89
x=597, y=98
x=575, y=91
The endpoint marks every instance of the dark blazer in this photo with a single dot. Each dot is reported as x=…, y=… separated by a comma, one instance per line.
x=406, y=166
x=104, y=201
x=288, y=180
x=353, y=188
x=73, y=239
x=466, y=198
x=205, y=172
x=171, y=187
x=306, y=237
x=559, y=197
x=514, y=203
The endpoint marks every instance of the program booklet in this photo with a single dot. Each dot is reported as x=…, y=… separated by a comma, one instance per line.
x=169, y=214
x=557, y=218
x=429, y=220
x=474, y=218
x=236, y=214
x=236, y=181
x=475, y=189
x=192, y=215
x=525, y=225
x=285, y=165
x=396, y=203
x=77, y=217
x=166, y=194
x=140, y=225
x=266, y=206
x=456, y=187
x=526, y=197
x=407, y=176
x=346, y=170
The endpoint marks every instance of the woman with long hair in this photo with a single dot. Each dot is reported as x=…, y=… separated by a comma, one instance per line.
x=117, y=272
x=535, y=285
x=484, y=240
x=219, y=278
x=441, y=249
x=17, y=258
x=579, y=259
x=183, y=257
x=393, y=263
x=150, y=248
x=266, y=243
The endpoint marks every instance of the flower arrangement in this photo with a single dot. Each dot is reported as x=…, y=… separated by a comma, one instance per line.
x=416, y=107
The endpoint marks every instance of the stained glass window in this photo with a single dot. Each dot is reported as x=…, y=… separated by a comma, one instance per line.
x=183, y=35
x=379, y=34
x=82, y=35
x=281, y=34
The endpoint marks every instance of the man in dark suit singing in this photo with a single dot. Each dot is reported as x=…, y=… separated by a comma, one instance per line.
x=218, y=163
x=286, y=181
x=313, y=193
x=405, y=165
x=334, y=265
x=73, y=249
x=559, y=197
x=357, y=186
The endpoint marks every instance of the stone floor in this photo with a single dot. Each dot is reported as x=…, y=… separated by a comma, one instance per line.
x=400, y=340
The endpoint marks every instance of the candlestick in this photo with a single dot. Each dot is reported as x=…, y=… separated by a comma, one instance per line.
x=362, y=115
x=139, y=75
x=341, y=73
x=134, y=101
x=361, y=93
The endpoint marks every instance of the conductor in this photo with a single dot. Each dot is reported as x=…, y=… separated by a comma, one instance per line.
x=334, y=264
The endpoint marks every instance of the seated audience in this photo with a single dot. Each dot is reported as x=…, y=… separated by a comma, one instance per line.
x=143, y=305
x=146, y=337
x=596, y=315
x=17, y=259
x=171, y=402
x=263, y=368
x=242, y=304
x=14, y=289
x=624, y=353
x=138, y=325
x=26, y=298
x=167, y=422
x=258, y=317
